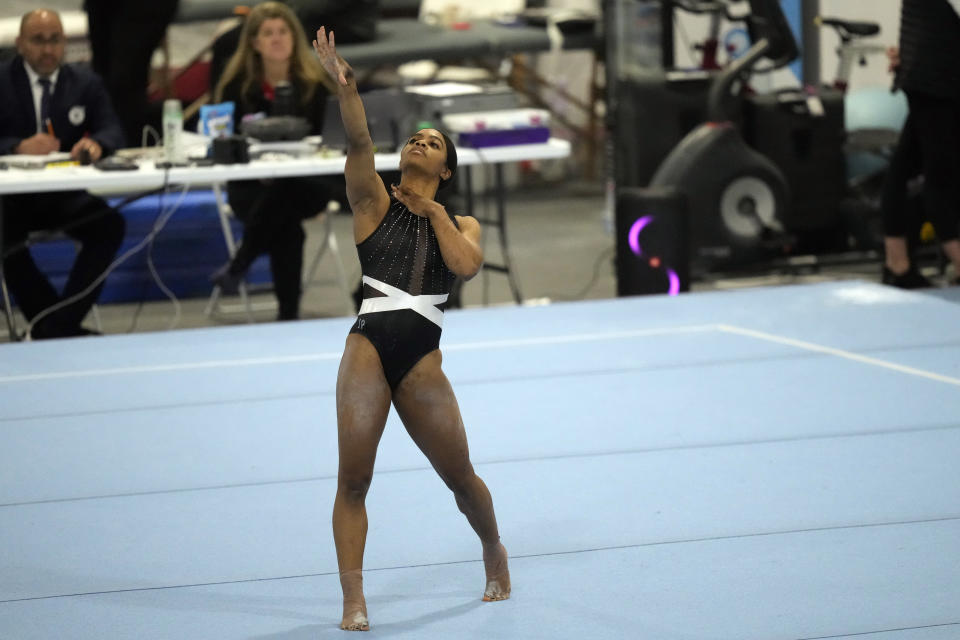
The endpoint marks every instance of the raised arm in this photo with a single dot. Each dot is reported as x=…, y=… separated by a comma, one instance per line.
x=365, y=190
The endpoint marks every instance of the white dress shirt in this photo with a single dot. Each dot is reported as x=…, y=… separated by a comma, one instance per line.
x=37, y=89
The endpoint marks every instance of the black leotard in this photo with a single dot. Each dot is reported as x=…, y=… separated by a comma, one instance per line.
x=405, y=289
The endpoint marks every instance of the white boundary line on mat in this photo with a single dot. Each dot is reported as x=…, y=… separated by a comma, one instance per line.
x=316, y=357
x=494, y=344
x=840, y=353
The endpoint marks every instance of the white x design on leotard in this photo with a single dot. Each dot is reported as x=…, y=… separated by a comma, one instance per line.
x=396, y=299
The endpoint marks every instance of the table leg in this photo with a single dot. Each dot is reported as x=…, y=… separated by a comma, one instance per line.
x=500, y=223
x=468, y=200
x=7, y=308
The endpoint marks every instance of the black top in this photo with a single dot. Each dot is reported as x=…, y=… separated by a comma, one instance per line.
x=79, y=106
x=403, y=252
x=254, y=101
x=929, y=48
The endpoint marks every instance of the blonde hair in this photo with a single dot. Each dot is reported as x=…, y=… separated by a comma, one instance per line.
x=246, y=62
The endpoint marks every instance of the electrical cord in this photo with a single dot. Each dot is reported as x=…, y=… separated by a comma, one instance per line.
x=177, y=307
x=156, y=275
x=606, y=253
x=157, y=227
x=148, y=130
x=487, y=166
x=138, y=310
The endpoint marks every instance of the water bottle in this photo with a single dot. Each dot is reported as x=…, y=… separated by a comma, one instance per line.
x=173, y=148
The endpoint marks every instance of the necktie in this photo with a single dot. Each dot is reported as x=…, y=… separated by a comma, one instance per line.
x=44, y=103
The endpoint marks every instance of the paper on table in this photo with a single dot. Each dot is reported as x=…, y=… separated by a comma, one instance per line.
x=444, y=89
x=25, y=161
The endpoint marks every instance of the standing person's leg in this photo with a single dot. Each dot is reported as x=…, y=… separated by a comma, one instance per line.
x=428, y=408
x=100, y=16
x=135, y=33
x=938, y=134
x=363, y=403
x=222, y=50
x=905, y=163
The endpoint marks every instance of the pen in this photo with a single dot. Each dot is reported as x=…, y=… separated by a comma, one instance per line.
x=50, y=127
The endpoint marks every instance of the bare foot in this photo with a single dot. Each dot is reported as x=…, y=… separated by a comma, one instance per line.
x=354, y=605
x=498, y=575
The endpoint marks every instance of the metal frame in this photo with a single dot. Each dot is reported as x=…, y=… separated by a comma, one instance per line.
x=327, y=243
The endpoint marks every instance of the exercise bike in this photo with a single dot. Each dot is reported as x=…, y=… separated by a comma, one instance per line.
x=713, y=201
x=710, y=47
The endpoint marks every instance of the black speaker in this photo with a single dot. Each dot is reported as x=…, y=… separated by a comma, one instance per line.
x=652, y=256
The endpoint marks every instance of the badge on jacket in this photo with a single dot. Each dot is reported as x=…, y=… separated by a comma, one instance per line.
x=77, y=115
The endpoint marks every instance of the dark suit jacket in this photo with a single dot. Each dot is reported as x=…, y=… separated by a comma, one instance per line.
x=79, y=105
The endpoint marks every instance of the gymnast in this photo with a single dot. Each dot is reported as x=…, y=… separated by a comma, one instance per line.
x=411, y=250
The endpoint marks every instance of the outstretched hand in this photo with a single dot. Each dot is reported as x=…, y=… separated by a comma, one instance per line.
x=412, y=200
x=326, y=50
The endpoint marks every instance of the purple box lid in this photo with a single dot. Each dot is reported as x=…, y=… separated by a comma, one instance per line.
x=503, y=137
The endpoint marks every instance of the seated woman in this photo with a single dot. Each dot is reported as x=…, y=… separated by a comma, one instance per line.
x=354, y=21
x=273, y=52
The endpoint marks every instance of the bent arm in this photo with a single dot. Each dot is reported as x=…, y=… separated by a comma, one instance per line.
x=459, y=243
x=460, y=248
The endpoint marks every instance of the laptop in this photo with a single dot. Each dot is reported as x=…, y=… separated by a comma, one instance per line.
x=390, y=118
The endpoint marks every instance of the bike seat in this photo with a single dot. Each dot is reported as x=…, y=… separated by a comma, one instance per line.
x=852, y=27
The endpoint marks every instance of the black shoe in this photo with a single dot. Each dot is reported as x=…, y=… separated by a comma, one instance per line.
x=229, y=283
x=50, y=330
x=47, y=330
x=910, y=279
x=80, y=332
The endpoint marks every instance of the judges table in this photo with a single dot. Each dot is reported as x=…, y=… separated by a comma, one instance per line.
x=149, y=178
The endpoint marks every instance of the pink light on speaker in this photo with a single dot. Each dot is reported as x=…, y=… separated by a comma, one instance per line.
x=633, y=238
x=674, y=282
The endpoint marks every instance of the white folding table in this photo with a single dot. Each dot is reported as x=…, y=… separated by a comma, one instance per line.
x=149, y=178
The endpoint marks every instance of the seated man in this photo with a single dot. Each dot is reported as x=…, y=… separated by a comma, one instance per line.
x=48, y=106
